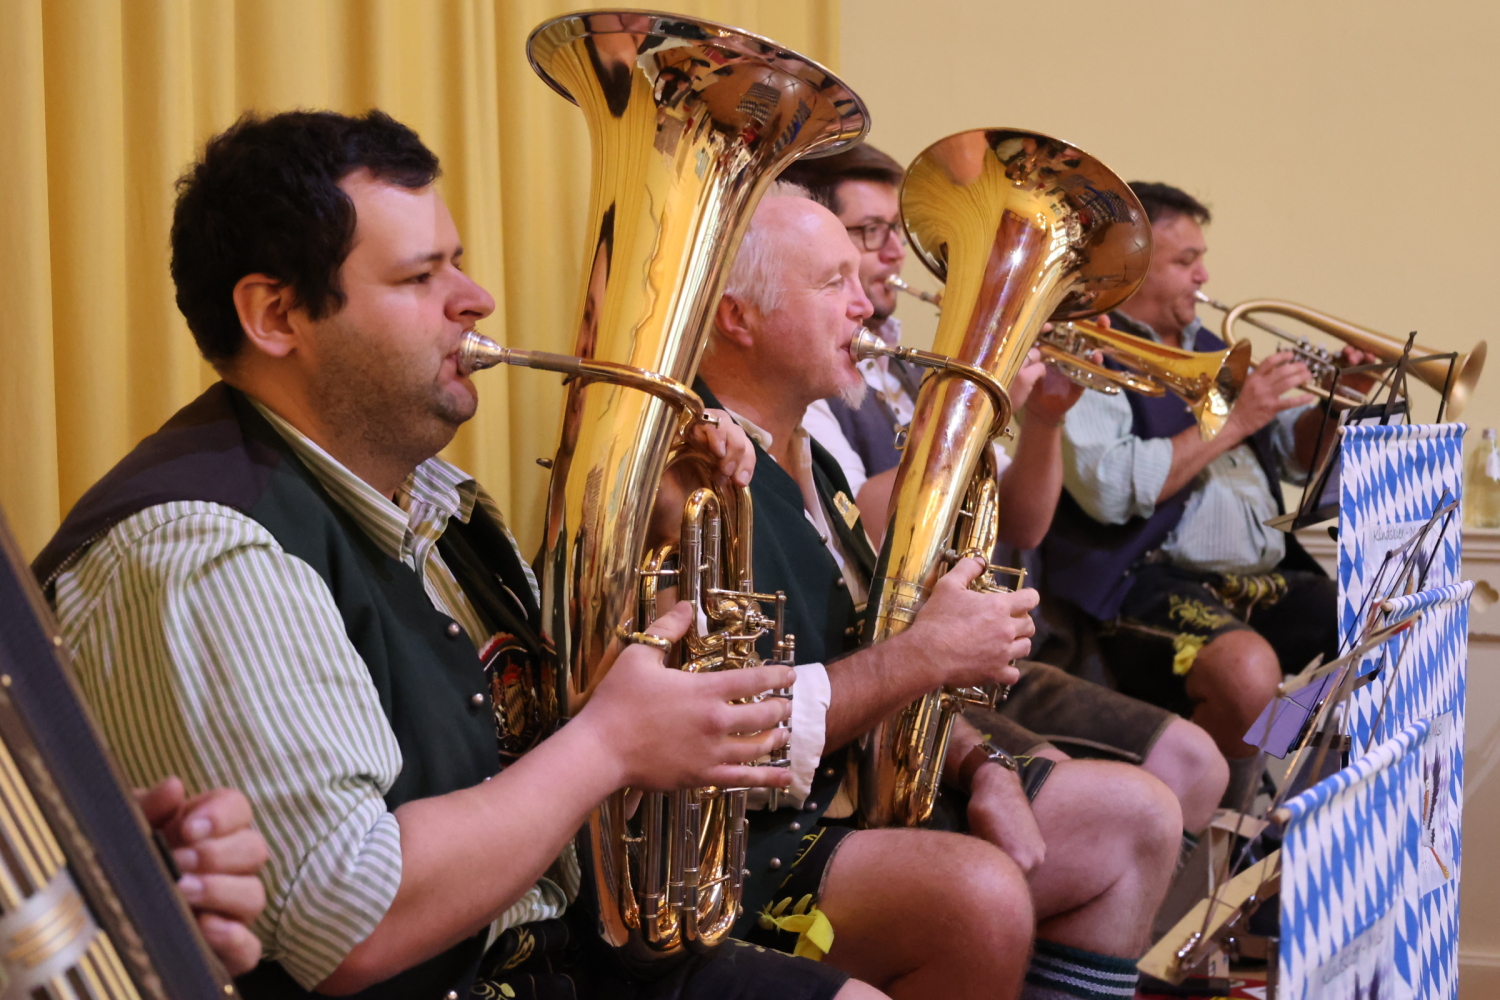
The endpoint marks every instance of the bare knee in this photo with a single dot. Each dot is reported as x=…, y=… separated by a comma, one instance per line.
x=983, y=883
x=1186, y=759
x=856, y=990
x=961, y=902
x=1152, y=814
x=1237, y=673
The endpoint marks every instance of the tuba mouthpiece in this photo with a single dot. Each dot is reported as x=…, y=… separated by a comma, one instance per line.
x=478, y=351
x=867, y=344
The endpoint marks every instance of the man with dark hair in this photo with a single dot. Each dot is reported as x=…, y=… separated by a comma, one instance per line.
x=1097, y=839
x=1163, y=535
x=284, y=591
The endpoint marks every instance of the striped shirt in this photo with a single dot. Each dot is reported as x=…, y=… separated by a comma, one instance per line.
x=208, y=652
x=1115, y=476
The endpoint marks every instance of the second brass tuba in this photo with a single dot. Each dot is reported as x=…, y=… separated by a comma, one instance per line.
x=1023, y=228
x=690, y=123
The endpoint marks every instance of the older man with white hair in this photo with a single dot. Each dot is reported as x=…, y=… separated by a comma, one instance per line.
x=1097, y=840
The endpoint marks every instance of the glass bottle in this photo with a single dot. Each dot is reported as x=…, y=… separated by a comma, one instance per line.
x=1482, y=484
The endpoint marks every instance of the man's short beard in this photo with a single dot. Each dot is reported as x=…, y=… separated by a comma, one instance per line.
x=375, y=405
x=853, y=394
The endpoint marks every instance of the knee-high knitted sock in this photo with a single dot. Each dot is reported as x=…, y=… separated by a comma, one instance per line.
x=1243, y=775
x=1059, y=972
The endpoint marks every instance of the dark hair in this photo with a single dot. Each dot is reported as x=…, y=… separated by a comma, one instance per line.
x=264, y=198
x=823, y=175
x=1163, y=201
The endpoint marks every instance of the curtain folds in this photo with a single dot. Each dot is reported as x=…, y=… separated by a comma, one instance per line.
x=104, y=102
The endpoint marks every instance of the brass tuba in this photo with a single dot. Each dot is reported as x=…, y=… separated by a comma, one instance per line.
x=690, y=123
x=1023, y=228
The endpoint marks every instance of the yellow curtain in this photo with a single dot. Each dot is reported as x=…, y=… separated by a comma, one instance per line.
x=104, y=102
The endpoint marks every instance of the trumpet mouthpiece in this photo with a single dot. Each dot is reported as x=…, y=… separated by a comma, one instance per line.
x=1209, y=301
x=895, y=282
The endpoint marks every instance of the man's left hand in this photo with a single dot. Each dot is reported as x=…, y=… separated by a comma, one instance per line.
x=1052, y=397
x=1361, y=382
x=727, y=442
x=220, y=856
x=1000, y=813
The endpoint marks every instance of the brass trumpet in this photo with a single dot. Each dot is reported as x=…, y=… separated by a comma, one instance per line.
x=1208, y=381
x=931, y=298
x=1434, y=372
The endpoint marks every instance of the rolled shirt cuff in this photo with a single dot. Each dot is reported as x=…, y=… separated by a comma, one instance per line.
x=810, y=697
x=1152, y=465
x=343, y=889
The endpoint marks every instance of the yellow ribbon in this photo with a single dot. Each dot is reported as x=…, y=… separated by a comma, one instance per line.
x=1185, y=651
x=813, y=930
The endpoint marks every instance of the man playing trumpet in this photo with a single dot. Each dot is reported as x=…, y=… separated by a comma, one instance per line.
x=1163, y=534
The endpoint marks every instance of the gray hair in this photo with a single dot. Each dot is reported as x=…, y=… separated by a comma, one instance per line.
x=752, y=277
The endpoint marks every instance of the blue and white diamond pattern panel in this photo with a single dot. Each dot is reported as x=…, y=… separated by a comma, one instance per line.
x=1348, y=861
x=1394, y=478
x=1422, y=677
x=1392, y=481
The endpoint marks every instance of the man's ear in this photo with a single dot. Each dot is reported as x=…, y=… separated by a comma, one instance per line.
x=736, y=320
x=264, y=306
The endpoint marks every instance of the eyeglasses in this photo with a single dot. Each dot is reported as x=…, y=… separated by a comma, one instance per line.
x=872, y=235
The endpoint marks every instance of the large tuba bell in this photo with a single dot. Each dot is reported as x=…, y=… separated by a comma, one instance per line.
x=690, y=123
x=1023, y=228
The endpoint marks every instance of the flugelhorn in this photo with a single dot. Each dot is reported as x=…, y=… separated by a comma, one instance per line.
x=1435, y=372
x=690, y=122
x=1208, y=381
x=1023, y=228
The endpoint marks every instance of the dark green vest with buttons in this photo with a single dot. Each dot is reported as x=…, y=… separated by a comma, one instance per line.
x=791, y=557
x=424, y=667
